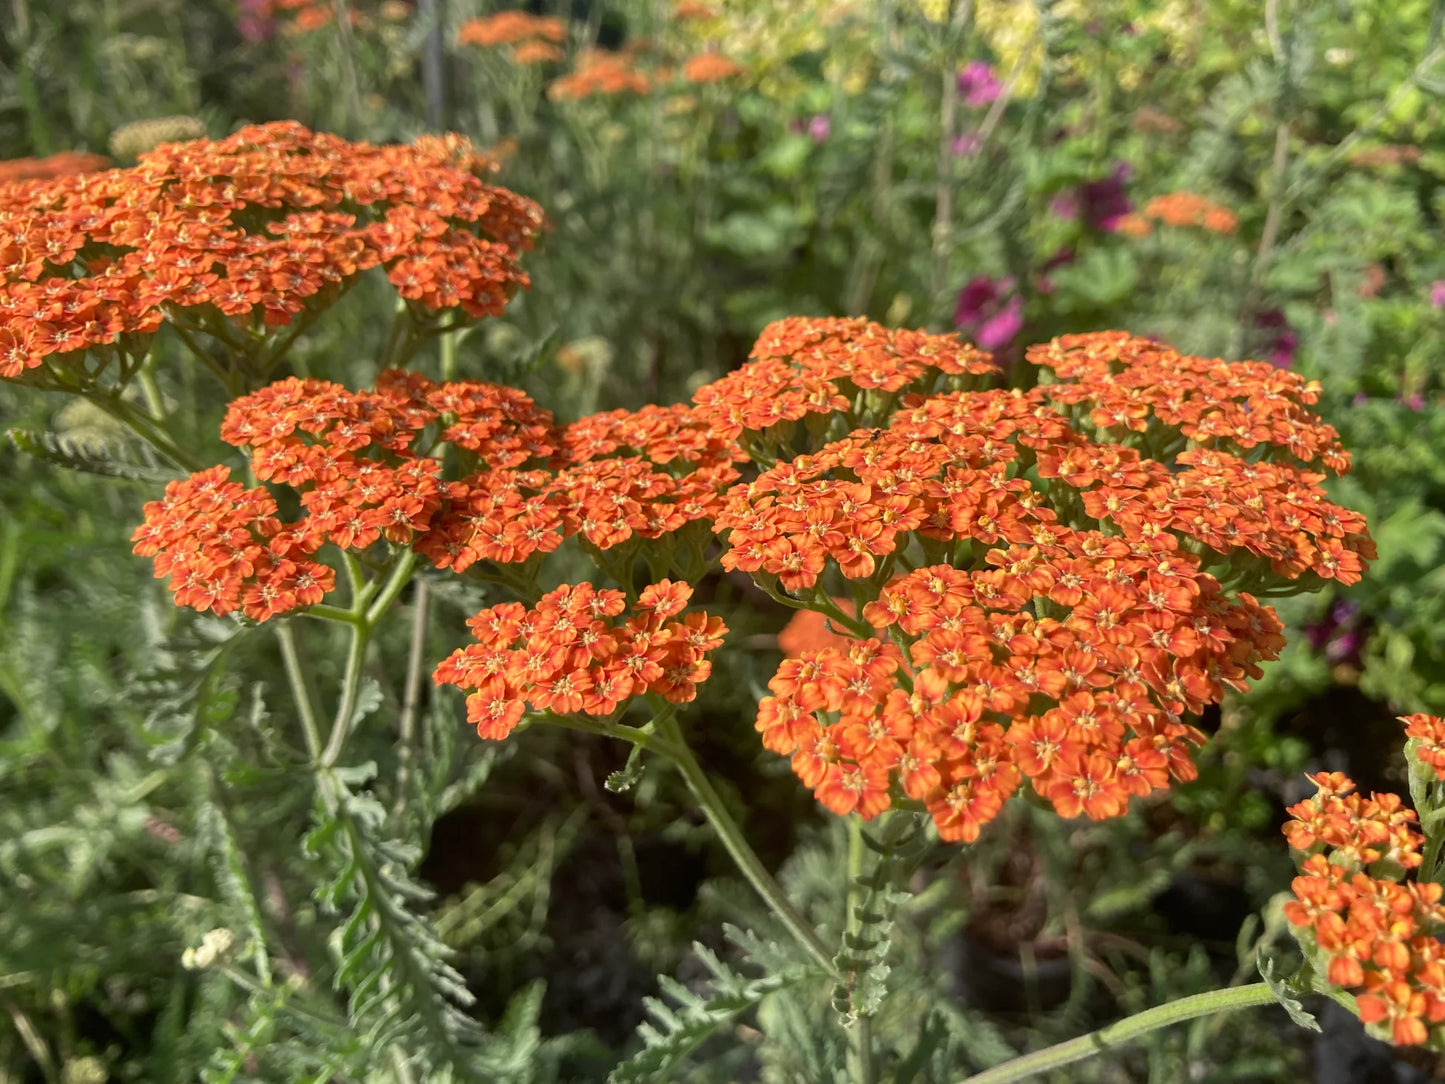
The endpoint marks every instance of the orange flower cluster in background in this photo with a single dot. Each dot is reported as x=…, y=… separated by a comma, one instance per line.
x=1072, y=577
x=64, y=164
x=533, y=39
x=1374, y=932
x=598, y=71
x=244, y=233
x=566, y=655
x=367, y=466
x=710, y=68
x=1180, y=209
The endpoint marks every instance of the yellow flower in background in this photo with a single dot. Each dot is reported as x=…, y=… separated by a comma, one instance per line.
x=935, y=11
x=1011, y=28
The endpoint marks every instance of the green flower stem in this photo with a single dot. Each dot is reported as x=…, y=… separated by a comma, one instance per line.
x=366, y=612
x=622, y=732
x=737, y=846
x=1125, y=1031
x=860, y=1035
x=148, y=429
x=398, y=579
x=333, y=613
x=300, y=688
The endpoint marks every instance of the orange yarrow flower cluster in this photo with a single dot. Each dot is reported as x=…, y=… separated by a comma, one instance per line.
x=511, y=28
x=532, y=39
x=710, y=68
x=848, y=369
x=64, y=164
x=249, y=231
x=1077, y=617
x=1371, y=931
x=570, y=654
x=599, y=72
x=1428, y=734
x=367, y=467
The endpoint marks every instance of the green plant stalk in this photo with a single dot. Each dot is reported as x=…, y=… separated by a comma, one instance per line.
x=1125, y=1031
x=738, y=849
x=300, y=688
x=860, y=1035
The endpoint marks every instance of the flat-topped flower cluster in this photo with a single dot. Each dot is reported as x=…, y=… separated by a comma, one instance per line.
x=1044, y=585
x=239, y=235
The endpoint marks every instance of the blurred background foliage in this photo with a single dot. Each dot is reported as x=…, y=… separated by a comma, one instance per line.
x=1239, y=180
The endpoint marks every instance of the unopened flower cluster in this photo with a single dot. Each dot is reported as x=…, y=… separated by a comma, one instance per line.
x=242, y=234
x=1369, y=929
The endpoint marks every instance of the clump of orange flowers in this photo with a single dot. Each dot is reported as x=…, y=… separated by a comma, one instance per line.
x=234, y=237
x=64, y=164
x=1181, y=210
x=710, y=68
x=370, y=466
x=600, y=72
x=511, y=28
x=1063, y=574
x=568, y=654
x=531, y=39
x=1367, y=928
x=1024, y=588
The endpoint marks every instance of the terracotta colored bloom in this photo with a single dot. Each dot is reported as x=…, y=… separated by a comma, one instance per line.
x=242, y=235
x=511, y=28
x=599, y=72
x=1063, y=655
x=570, y=655
x=1182, y=209
x=64, y=164
x=710, y=68
x=1369, y=929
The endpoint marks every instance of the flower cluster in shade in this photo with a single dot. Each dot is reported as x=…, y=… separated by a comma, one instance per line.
x=1054, y=599
x=244, y=234
x=368, y=466
x=64, y=164
x=1367, y=927
x=578, y=650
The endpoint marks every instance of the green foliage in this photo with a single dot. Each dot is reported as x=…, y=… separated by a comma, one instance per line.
x=679, y=1028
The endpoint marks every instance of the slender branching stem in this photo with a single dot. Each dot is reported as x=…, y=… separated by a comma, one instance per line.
x=1125, y=1031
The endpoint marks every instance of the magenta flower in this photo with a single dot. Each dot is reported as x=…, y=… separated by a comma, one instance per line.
x=1100, y=203
x=819, y=127
x=253, y=22
x=1437, y=294
x=967, y=145
x=978, y=85
x=1281, y=340
x=989, y=312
